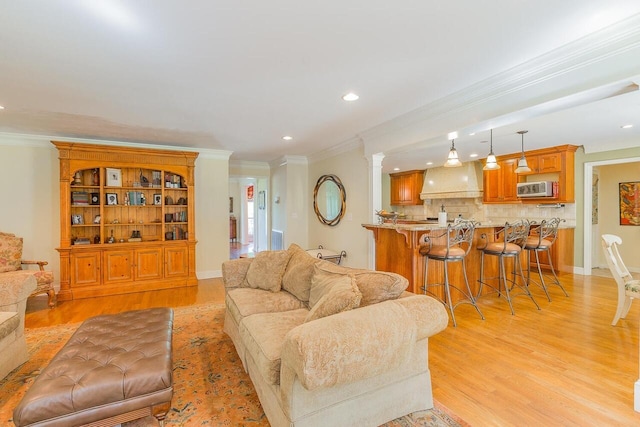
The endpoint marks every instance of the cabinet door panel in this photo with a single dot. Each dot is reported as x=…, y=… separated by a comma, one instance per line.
x=549, y=163
x=176, y=262
x=85, y=268
x=148, y=264
x=118, y=266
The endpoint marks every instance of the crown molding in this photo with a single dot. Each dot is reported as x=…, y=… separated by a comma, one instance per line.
x=575, y=67
x=344, y=147
x=288, y=160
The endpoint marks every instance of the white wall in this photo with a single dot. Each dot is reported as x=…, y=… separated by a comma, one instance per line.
x=30, y=201
x=212, y=213
x=349, y=235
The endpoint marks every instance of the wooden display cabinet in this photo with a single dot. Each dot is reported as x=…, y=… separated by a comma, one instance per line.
x=127, y=219
x=406, y=187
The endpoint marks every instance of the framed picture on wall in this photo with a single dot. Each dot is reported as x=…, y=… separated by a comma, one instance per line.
x=629, y=203
x=230, y=204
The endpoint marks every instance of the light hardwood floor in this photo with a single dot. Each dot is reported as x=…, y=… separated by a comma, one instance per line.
x=562, y=365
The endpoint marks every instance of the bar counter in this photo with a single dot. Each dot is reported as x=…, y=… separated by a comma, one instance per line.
x=397, y=250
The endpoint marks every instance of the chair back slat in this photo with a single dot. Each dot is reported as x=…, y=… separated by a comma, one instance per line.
x=618, y=270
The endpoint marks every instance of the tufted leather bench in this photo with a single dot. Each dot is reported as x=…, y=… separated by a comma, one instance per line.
x=115, y=368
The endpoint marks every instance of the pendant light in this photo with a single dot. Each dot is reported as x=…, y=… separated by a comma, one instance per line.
x=452, y=160
x=491, y=163
x=522, y=163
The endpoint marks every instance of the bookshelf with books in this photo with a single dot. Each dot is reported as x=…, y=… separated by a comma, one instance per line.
x=127, y=219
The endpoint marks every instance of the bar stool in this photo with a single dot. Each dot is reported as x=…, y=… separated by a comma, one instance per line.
x=541, y=238
x=459, y=237
x=514, y=236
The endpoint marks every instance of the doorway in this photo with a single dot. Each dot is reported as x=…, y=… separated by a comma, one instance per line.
x=592, y=231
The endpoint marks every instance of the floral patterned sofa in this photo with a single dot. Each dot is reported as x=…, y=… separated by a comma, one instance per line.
x=329, y=345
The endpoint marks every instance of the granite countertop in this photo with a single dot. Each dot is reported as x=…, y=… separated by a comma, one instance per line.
x=431, y=225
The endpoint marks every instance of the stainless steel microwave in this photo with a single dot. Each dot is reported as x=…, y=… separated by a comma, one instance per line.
x=535, y=189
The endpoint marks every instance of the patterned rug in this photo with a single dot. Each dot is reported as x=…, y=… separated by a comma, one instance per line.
x=210, y=385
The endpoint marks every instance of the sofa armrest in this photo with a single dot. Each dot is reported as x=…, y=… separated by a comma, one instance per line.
x=234, y=272
x=346, y=347
x=15, y=286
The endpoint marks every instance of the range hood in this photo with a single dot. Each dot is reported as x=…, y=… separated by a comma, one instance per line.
x=450, y=183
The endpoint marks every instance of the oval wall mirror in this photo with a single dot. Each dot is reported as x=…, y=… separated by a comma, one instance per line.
x=329, y=200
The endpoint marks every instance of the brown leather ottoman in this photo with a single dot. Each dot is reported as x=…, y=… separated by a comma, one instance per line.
x=115, y=368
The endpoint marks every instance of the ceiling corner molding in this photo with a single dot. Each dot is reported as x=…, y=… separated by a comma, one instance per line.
x=343, y=147
x=583, y=63
x=209, y=153
x=25, y=140
x=289, y=160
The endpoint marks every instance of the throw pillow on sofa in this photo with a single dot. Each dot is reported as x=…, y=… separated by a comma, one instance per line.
x=297, y=276
x=266, y=270
x=332, y=294
x=375, y=286
x=10, y=252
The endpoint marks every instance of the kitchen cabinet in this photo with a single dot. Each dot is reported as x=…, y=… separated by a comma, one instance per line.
x=406, y=187
x=548, y=164
x=561, y=254
x=500, y=184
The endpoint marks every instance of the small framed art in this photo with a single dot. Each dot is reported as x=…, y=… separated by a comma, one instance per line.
x=157, y=199
x=114, y=177
x=112, y=199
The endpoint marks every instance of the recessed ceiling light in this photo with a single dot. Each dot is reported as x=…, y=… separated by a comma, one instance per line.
x=1, y=107
x=429, y=163
x=472, y=134
x=396, y=169
x=473, y=155
x=626, y=126
x=350, y=97
x=287, y=138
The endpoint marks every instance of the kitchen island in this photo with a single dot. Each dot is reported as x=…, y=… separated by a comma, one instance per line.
x=397, y=250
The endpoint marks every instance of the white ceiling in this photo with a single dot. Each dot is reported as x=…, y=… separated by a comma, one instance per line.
x=237, y=76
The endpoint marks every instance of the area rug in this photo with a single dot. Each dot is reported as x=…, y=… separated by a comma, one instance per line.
x=210, y=385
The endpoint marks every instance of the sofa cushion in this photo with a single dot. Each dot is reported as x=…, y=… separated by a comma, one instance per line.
x=243, y=302
x=297, y=276
x=263, y=335
x=10, y=252
x=339, y=294
x=375, y=286
x=266, y=270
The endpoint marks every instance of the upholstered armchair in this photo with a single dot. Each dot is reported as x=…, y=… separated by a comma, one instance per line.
x=11, y=260
x=15, y=288
x=44, y=280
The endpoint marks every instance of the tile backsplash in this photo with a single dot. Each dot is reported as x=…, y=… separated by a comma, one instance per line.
x=495, y=213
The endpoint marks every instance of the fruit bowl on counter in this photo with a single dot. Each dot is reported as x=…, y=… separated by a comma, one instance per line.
x=393, y=216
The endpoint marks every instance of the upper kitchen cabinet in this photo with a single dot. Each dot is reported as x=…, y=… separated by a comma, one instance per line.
x=406, y=187
x=555, y=164
x=549, y=164
x=500, y=184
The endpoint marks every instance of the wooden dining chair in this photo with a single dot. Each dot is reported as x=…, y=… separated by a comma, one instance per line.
x=628, y=287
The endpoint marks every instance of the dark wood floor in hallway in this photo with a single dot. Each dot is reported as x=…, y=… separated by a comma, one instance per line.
x=563, y=365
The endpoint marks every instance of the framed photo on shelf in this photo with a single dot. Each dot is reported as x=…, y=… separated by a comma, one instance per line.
x=112, y=199
x=77, y=219
x=157, y=199
x=114, y=177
